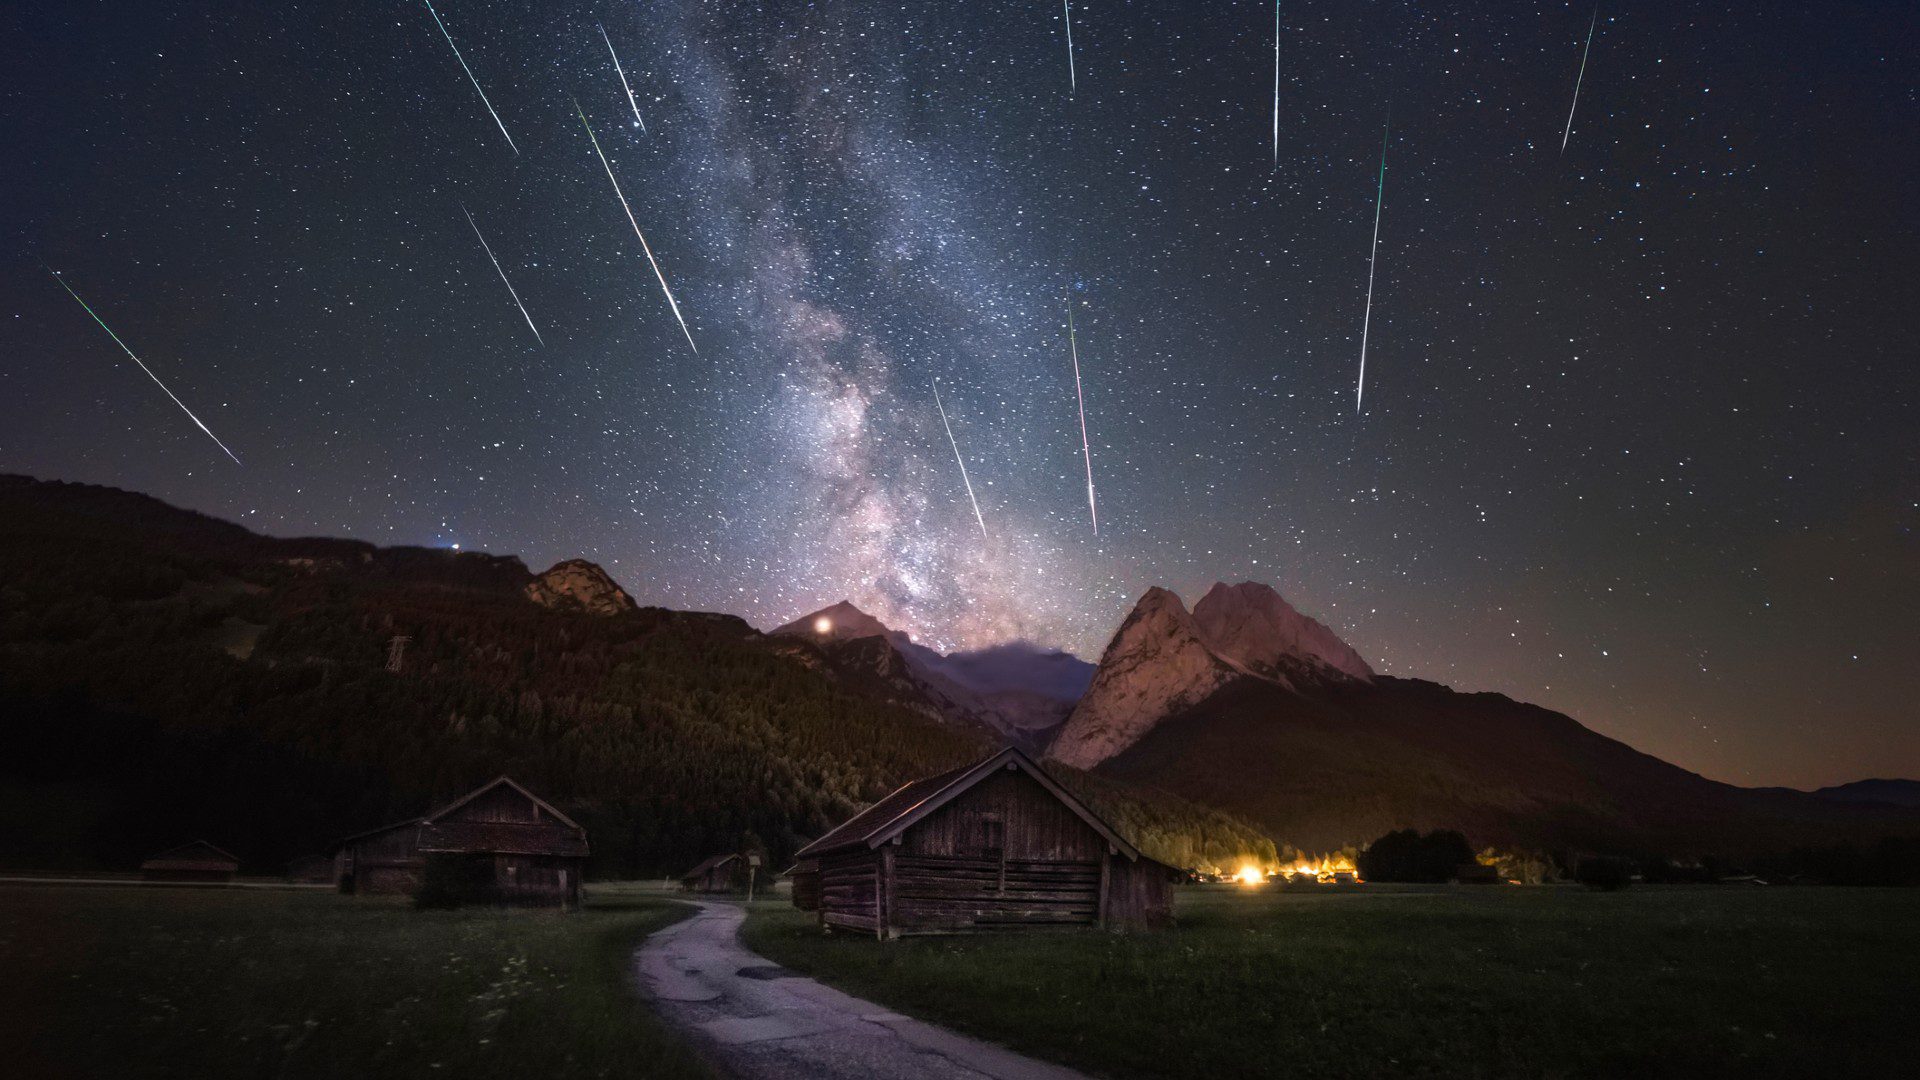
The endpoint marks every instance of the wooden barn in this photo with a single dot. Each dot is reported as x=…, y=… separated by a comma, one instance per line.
x=996, y=845
x=501, y=843
x=719, y=874
x=198, y=861
x=379, y=861
x=805, y=875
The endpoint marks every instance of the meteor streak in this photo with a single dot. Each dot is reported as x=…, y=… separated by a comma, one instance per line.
x=1276, y=83
x=503, y=276
x=961, y=460
x=144, y=367
x=1360, y=389
x=1085, y=451
x=469, y=71
x=623, y=79
x=1578, y=79
x=651, y=261
x=1066, y=8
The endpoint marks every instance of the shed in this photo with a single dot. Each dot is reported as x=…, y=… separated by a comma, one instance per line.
x=501, y=843
x=718, y=874
x=198, y=861
x=383, y=860
x=996, y=845
x=805, y=874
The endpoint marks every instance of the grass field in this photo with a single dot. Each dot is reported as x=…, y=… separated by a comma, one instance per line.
x=1446, y=982
x=210, y=983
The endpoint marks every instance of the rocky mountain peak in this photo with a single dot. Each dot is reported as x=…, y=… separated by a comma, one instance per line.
x=1253, y=626
x=1156, y=665
x=578, y=585
x=838, y=622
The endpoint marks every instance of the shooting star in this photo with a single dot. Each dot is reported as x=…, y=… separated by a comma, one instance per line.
x=623, y=79
x=1366, y=323
x=484, y=246
x=469, y=71
x=1086, y=451
x=651, y=261
x=1578, y=79
x=963, y=462
x=144, y=367
x=1066, y=7
x=1276, y=83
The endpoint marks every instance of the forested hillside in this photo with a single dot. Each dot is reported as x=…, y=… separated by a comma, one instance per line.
x=166, y=676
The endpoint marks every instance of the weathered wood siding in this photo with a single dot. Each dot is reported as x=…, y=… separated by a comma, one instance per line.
x=806, y=885
x=849, y=890
x=1005, y=853
x=384, y=862
x=1139, y=894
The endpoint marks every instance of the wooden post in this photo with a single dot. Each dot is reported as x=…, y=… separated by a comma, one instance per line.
x=1106, y=876
x=883, y=892
x=753, y=871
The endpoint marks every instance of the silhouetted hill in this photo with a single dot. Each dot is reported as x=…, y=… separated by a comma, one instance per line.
x=165, y=675
x=1342, y=762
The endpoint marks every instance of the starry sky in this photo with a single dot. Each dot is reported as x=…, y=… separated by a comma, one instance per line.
x=1638, y=438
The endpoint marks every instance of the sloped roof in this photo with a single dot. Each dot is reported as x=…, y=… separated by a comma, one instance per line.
x=198, y=855
x=897, y=812
x=435, y=816
x=709, y=864
x=389, y=827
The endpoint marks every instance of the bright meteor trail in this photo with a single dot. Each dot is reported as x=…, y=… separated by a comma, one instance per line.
x=1578, y=79
x=623, y=79
x=144, y=367
x=1360, y=388
x=671, y=302
x=1066, y=8
x=1085, y=450
x=484, y=246
x=961, y=460
x=1276, y=83
x=469, y=71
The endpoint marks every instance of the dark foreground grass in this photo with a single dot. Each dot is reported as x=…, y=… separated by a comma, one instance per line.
x=1471, y=983
x=208, y=983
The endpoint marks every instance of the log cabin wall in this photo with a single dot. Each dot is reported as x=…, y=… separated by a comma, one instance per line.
x=849, y=890
x=384, y=862
x=1005, y=853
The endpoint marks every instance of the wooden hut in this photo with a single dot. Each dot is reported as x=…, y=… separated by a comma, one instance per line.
x=501, y=843
x=198, y=861
x=805, y=875
x=718, y=874
x=993, y=846
x=382, y=860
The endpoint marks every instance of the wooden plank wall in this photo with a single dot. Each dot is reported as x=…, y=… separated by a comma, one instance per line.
x=849, y=892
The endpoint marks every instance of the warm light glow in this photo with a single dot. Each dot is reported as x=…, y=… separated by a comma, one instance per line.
x=1250, y=875
x=822, y=625
x=1329, y=869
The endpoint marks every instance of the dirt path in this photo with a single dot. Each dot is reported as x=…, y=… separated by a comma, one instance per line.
x=758, y=1020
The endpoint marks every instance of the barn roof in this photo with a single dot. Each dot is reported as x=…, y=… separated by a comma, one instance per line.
x=497, y=781
x=389, y=827
x=562, y=837
x=198, y=855
x=899, y=811
x=709, y=864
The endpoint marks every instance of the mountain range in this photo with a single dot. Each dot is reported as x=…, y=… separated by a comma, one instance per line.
x=292, y=689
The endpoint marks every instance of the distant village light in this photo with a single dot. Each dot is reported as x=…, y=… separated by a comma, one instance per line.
x=823, y=625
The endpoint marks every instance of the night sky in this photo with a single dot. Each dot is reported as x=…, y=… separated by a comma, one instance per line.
x=1639, y=435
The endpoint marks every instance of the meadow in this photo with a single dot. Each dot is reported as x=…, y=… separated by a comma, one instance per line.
x=217, y=983
x=1460, y=981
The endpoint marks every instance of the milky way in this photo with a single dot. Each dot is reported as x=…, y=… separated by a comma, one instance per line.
x=1640, y=440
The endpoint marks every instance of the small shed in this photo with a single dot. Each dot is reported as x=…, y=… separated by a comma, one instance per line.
x=502, y=843
x=997, y=845
x=719, y=874
x=805, y=875
x=385, y=860
x=198, y=861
